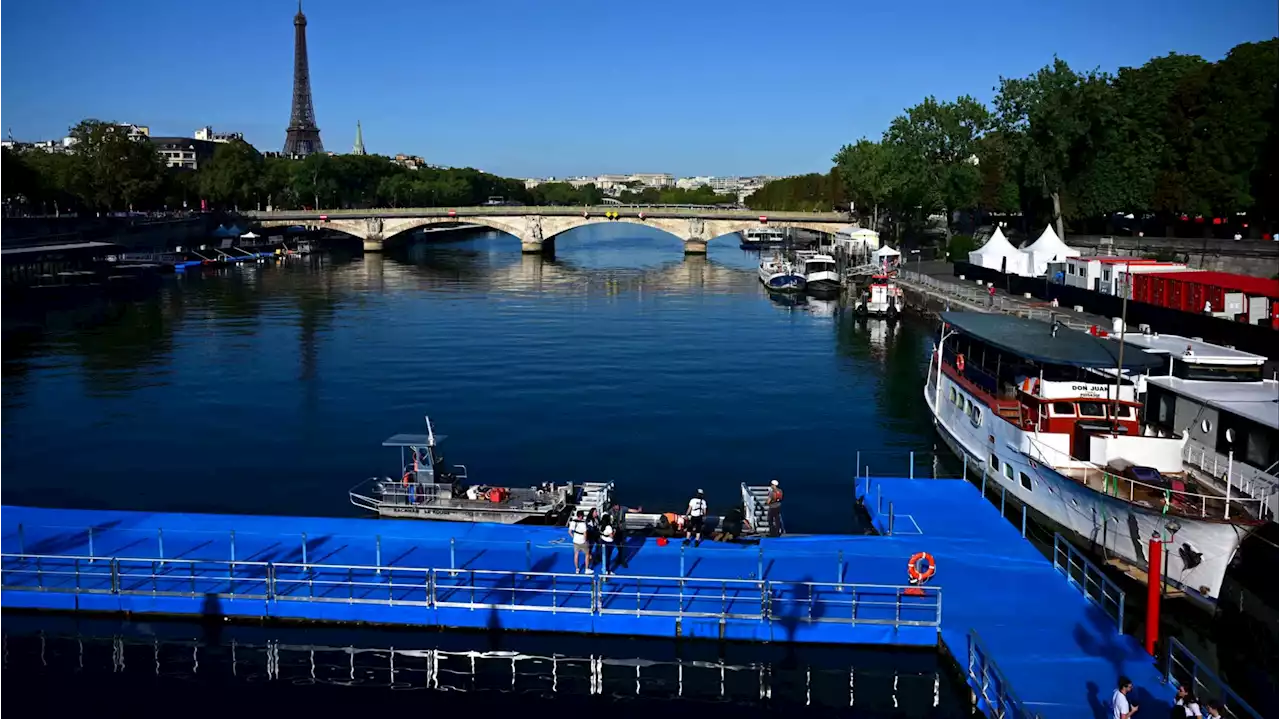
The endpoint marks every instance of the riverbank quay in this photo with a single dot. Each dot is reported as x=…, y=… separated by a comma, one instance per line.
x=468, y=576
x=930, y=293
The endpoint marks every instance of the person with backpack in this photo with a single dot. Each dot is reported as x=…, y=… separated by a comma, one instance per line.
x=696, y=514
x=578, y=530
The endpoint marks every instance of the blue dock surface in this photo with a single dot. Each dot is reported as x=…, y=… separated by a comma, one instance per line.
x=1027, y=638
x=1058, y=653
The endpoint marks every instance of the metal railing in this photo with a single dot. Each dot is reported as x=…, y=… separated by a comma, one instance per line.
x=1063, y=463
x=1181, y=668
x=996, y=696
x=782, y=601
x=981, y=300
x=1091, y=581
x=1242, y=477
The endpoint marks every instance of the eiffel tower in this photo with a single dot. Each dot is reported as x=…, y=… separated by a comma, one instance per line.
x=302, y=137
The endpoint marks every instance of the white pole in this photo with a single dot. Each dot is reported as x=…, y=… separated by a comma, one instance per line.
x=1226, y=508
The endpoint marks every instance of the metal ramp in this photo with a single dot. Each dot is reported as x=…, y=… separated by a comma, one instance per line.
x=597, y=496
x=755, y=502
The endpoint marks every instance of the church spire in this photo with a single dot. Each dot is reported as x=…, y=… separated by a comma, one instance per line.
x=358, y=149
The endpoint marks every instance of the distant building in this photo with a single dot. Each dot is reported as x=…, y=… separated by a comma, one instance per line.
x=358, y=148
x=413, y=162
x=185, y=152
x=207, y=134
x=653, y=179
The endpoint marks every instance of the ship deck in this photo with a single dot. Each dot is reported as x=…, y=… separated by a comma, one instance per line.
x=1024, y=635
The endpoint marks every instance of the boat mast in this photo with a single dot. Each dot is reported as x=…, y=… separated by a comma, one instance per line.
x=1124, y=322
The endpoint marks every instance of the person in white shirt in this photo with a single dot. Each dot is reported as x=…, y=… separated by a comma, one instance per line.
x=578, y=531
x=1120, y=707
x=696, y=513
x=607, y=535
x=1189, y=704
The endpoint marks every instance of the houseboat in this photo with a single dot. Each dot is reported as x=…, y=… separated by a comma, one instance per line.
x=1022, y=401
x=759, y=238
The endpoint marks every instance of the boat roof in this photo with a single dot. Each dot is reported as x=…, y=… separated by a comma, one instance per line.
x=1258, y=401
x=1201, y=352
x=1033, y=340
x=409, y=440
x=821, y=257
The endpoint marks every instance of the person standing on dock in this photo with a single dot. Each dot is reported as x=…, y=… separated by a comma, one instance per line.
x=578, y=531
x=607, y=537
x=696, y=514
x=991, y=295
x=775, y=509
x=1120, y=707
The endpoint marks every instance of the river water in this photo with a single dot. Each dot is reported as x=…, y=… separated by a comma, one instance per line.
x=268, y=389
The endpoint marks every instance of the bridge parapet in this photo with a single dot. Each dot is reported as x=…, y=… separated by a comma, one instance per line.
x=537, y=227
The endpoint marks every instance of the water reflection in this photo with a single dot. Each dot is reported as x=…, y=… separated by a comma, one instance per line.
x=897, y=682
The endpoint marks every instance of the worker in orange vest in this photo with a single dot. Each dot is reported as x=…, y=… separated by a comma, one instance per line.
x=775, y=509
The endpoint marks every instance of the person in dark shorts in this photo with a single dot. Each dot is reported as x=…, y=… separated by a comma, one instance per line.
x=696, y=514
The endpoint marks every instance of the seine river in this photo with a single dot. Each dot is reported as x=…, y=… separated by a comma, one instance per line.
x=269, y=389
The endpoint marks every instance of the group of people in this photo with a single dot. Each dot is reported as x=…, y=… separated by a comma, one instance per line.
x=592, y=531
x=1185, y=704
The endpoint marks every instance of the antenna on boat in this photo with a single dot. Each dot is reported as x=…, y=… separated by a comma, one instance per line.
x=431, y=435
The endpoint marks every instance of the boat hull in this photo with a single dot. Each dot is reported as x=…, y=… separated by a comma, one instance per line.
x=782, y=281
x=1198, y=556
x=822, y=282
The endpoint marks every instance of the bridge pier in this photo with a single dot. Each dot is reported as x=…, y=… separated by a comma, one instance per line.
x=695, y=246
x=372, y=244
x=538, y=247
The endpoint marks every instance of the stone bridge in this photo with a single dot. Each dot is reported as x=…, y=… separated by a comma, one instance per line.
x=538, y=227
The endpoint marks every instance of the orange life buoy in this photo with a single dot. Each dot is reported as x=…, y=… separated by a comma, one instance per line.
x=913, y=567
x=1031, y=385
x=960, y=362
x=405, y=478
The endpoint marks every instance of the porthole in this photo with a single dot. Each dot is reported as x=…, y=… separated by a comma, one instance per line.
x=1205, y=426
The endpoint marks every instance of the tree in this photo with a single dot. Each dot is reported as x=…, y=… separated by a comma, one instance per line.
x=233, y=175
x=111, y=169
x=999, y=173
x=1054, y=120
x=871, y=175
x=937, y=143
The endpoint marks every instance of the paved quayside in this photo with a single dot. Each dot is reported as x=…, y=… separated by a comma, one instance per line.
x=1024, y=633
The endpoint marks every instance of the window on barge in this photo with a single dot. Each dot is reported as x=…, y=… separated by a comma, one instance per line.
x=1092, y=409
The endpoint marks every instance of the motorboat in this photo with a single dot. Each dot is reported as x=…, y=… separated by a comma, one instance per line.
x=881, y=298
x=1023, y=403
x=781, y=274
x=428, y=488
x=820, y=274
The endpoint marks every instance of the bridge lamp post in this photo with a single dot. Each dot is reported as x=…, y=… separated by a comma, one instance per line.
x=917, y=254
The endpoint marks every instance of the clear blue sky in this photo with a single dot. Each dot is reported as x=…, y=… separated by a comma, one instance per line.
x=554, y=87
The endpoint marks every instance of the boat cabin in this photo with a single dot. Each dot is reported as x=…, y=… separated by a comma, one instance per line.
x=1043, y=378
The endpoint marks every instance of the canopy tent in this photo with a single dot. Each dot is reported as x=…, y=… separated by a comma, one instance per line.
x=857, y=241
x=884, y=253
x=1047, y=248
x=224, y=231
x=249, y=236
x=999, y=255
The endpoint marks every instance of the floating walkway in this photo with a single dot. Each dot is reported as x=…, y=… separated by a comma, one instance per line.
x=1023, y=630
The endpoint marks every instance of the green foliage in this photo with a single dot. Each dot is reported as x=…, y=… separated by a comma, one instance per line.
x=959, y=247
x=803, y=193
x=871, y=173
x=676, y=196
x=937, y=142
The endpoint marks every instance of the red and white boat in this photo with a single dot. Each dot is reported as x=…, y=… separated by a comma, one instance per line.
x=1030, y=403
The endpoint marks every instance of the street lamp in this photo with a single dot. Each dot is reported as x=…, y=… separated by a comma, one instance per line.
x=917, y=254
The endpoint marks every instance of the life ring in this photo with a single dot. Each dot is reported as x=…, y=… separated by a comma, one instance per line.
x=960, y=362
x=405, y=478
x=913, y=567
x=1031, y=385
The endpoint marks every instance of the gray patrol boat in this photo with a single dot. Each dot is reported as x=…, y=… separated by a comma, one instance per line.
x=427, y=488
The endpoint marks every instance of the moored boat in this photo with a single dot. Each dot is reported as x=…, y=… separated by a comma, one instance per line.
x=881, y=298
x=780, y=274
x=428, y=488
x=1023, y=401
x=819, y=271
x=759, y=238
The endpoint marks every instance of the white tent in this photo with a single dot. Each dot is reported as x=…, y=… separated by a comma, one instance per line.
x=1047, y=248
x=857, y=241
x=884, y=253
x=999, y=255
x=249, y=236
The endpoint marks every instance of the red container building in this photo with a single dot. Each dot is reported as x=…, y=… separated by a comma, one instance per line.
x=1243, y=298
